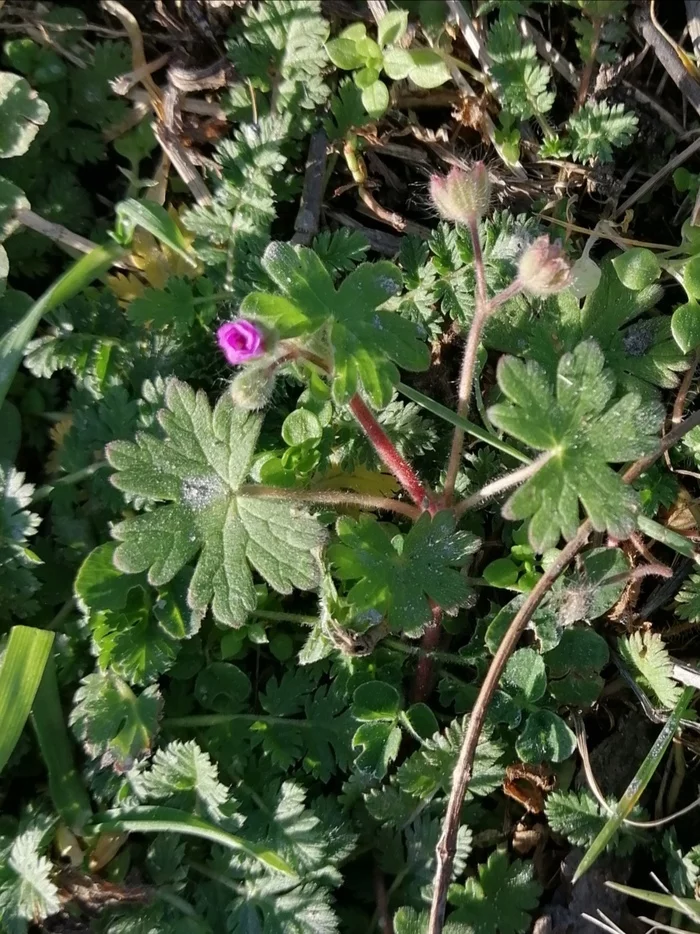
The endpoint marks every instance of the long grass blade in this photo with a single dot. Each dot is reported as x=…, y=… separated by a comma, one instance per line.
x=636, y=787
x=449, y=416
x=74, y=280
x=155, y=819
x=689, y=906
x=156, y=220
x=22, y=668
x=66, y=787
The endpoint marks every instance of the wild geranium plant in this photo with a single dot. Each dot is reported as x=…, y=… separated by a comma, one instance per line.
x=326, y=553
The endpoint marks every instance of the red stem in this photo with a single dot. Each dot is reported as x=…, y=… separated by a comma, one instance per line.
x=423, y=678
x=388, y=454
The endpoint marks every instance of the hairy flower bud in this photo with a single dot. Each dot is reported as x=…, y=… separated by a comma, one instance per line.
x=252, y=387
x=241, y=341
x=460, y=196
x=543, y=269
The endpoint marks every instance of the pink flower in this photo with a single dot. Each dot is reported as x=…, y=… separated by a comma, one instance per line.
x=240, y=341
x=543, y=268
x=462, y=196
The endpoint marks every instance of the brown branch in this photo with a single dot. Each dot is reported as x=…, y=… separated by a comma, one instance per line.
x=462, y=773
x=679, y=402
x=306, y=223
x=668, y=56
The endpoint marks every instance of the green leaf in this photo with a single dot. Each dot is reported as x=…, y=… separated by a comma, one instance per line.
x=500, y=900
x=198, y=468
x=74, y=280
x=574, y=667
x=22, y=668
x=690, y=907
x=376, y=700
x=301, y=426
x=12, y=200
x=685, y=326
x=22, y=113
x=169, y=820
x=400, y=576
x=379, y=742
x=598, y=127
x=546, y=738
x=397, y=63
x=637, y=268
x=392, y=27
x=375, y=98
x=579, y=818
x=691, y=277
x=367, y=340
x=429, y=69
x=222, y=687
x=172, y=306
x=501, y=573
x=648, y=660
x=155, y=219
x=583, y=433
x=343, y=52
x=114, y=723
x=688, y=599
x=28, y=894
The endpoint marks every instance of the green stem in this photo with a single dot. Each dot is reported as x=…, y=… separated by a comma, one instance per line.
x=462, y=66
x=445, y=657
x=449, y=416
x=217, y=719
x=70, y=479
x=280, y=617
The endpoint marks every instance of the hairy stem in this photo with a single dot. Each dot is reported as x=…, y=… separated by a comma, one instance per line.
x=331, y=498
x=471, y=349
x=388, y=454
x=502, y=484
x=461, y=775
x=423, y=679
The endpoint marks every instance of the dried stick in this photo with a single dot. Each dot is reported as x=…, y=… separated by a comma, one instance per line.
x=306, y=223
x=461, y=776
x=331, y=498
x=665, y=170
x=182, y=161
x=668, y=56
x=679, y=402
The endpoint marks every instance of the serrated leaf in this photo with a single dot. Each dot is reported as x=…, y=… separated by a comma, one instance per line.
x=579, y=818
x=576, y=424
x=198, y=469
x=222, y=687
x=184, y=776
x=400, y=576
x=648, y=659
x=172, y=306
x=368, y=342
x=27, y=892
x=113, y=722
x=500, y=900
x=22, y=113
x=598, y=127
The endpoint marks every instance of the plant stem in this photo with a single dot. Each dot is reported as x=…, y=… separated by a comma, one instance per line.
x=388, y=454
x=503, y=483
x=68, y=480
x=331, y=498
x=276, y=617
x=461, y=775
x=471, y=349
x=216, y=719
x=423, y=679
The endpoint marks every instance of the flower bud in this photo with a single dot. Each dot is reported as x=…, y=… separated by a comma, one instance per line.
x=242, y=341
x=543, y=269
x=251, y=389
x=462, y=196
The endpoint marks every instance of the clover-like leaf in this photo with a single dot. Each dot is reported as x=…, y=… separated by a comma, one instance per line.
x=500, y=900
x=583, y=434
x=546, y=738
x=22, y=112
x=399, y=576
x=368, y=343
x=197, y=470
x=574, y=667
x=112, y=721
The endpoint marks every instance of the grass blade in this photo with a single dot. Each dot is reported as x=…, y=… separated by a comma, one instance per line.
x=667, y=537
x=74, y=280
x=22, y=668
x=156, y=220
x=154, y=819
x=449, y=416
x=67, y=790
x=636, y=786
x=689, y=906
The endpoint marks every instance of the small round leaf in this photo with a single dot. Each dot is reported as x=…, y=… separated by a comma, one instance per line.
x=429, y=70
x=222, y=687
x=12, y=200
x=637, y=268
x=22, y=112
x=344, y=53
x=301, y=426
x=691, y=277
x=376, y=700
x=392, y=27
x=375, y=99
x=685, y=326
x=501, y=573
x=546, y=738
